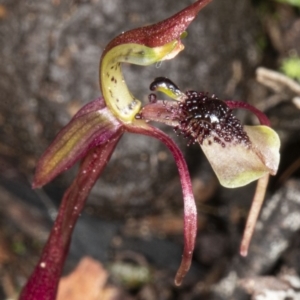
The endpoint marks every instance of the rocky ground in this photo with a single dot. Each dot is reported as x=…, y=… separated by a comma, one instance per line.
x=132, y=225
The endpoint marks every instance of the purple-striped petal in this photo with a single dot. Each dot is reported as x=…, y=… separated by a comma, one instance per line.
x=93, y=125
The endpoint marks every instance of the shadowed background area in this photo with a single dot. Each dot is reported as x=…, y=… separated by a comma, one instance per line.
x=50, y=52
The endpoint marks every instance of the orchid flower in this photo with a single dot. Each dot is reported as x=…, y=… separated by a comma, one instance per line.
x=238, y=154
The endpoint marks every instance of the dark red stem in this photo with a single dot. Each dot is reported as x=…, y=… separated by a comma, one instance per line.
x=43, y=283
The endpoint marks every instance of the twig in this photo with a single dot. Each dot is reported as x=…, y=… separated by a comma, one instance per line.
x=254, y=212
x=277, y=81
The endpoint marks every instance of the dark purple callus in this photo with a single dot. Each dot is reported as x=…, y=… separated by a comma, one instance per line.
x=198, y=117
x=201, y=117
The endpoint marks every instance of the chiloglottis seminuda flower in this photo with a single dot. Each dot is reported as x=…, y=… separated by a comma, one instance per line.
x=93, y=133
x=238, y=154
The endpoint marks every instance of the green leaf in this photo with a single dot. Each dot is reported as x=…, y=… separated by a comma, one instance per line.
x=291, y=66
x=291, y=2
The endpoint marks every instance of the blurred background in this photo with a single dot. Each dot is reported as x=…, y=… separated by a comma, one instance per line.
x=132, y=224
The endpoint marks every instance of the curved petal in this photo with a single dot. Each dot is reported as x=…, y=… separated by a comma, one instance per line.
x=161, y=33
x=141, y=46
x=237, y=165
x=190, y=209
x=93, y=125
x=263, y=119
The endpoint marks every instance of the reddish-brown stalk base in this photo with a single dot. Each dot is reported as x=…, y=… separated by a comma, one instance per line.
x=44, y=280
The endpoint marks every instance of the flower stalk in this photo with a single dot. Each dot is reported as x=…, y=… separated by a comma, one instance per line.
x=44, y=280
x=238, y=154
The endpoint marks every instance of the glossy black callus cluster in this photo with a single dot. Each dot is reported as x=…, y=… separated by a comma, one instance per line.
x=203, y=117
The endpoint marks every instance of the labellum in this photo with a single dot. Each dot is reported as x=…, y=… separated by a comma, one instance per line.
x=238, y=154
